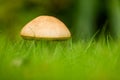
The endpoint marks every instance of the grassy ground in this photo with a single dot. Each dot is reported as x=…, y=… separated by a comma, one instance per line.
x=59, y=60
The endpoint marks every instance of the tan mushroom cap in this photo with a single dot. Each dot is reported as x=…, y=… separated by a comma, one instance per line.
x=45, y=27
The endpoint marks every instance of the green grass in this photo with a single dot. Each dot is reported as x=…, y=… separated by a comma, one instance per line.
x=59, y=60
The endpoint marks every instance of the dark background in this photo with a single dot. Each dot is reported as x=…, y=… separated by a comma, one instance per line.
x=83, y=17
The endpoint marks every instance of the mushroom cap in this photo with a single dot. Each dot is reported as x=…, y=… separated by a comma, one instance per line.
x=45, y=27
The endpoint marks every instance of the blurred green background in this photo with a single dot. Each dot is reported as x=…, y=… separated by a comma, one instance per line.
x=83, y=17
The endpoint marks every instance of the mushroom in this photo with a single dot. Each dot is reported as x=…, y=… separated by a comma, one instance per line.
x=45, y=27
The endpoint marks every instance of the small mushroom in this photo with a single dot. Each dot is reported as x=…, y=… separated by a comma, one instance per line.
x=45, y=27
